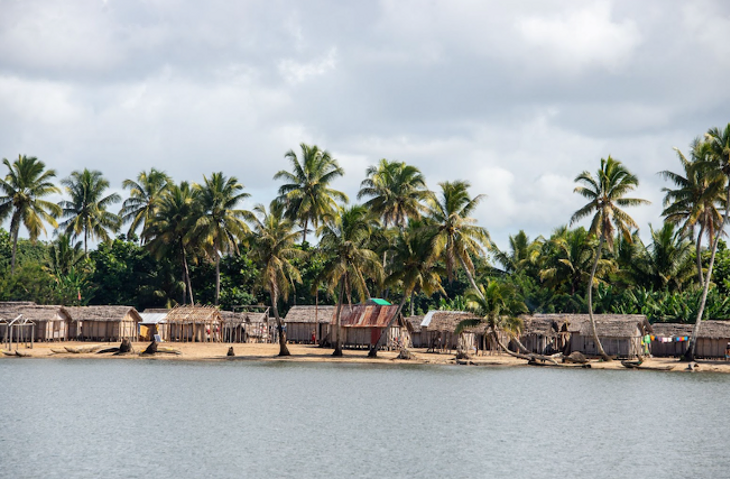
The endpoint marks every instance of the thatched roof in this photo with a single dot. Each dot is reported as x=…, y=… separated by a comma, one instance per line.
x=367, y=316
x=10, y=310
x=710, y=329
x=230, y=317
x=194, y=314
x=103, y=313
x=414, y=323
x=539, y=324
x=310, y=314
x=607, y=325
x=445, y=321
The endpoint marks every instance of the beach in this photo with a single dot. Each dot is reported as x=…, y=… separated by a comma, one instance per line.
x=310, y=353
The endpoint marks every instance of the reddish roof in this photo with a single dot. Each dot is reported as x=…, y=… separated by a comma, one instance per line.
x=366, y=315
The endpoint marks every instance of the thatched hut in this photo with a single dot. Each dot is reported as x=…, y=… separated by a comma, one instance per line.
x=245, y=326
x=362, y=325
x=104, y=323
x=620, y=334
x=418, y=337
x=672, y=339
x=303, y=321
x=194, y=324
x=438, y=329
x=52, y=323
x=544, y=333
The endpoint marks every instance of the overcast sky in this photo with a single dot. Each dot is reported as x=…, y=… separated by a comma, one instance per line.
x=516, y=97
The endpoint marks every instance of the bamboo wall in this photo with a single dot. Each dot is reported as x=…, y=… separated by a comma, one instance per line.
x=52, y=330
x=619, y=347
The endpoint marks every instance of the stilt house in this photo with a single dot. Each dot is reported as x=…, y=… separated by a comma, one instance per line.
x=620, y=335
x=52, y=323
x=418, y=337
x=362, y=325
x=438, y=331
x=303, y=321
x=672, y=340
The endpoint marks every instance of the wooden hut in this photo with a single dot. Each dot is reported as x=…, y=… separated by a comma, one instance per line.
x=620, y=334
x=438, y=329
x=194, y=324
x=302, y=321
x=104, y=323
x=544, y=333
x=362, y=325
x=672, y=339
x=245, y=326
x=418, y=337
x=52, y=323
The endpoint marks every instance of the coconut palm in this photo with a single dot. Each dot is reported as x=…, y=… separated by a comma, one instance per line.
x=719, y=167
x=272, y=248
x=63, y=256
x=343, y=241
x=171, y=229
x=498, y=305
x=694, y=202
x=144, y=193
x=222, y=225
x=87, y=210
x=606, y=194
x=666, y=263
x=397, y=192
x=306, y=195
x=415, y=270
x=22, y=188
x=457, y=237
x=523, y=253
x=567, y=259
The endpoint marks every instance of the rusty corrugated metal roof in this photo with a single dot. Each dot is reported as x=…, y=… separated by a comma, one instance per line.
x=366, y=316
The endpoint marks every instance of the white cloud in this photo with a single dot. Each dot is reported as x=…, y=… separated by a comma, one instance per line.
x=297, y=72
x=578, y=39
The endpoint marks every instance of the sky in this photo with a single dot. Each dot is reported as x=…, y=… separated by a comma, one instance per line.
x=517, y=97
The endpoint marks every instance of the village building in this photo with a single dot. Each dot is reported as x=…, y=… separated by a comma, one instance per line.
x=245, y=326
x=104, y=323
x=620, y=334
x=197, y=324
x=672, y=339
x=438, y=330
x=362, y=325
x=153, y=324
x=545, y=333
x=51, y=323
x=303, y=323
x=418, y=337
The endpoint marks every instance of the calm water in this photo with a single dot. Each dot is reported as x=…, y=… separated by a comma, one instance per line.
x=135, y=419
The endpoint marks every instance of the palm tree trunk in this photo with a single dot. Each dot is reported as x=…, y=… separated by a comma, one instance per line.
x=217, y=277
x=86, y=239
x=689, y=355
x=412, y=294
x=698, y=248
x=373, y=353
x=338, y=321
x=470, y=277
x=594, y=331
x=283, y=350
x=187, y=277
x=15, y=228
x=304, y=231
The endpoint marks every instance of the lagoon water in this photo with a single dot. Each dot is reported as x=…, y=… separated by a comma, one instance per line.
x=165, y=419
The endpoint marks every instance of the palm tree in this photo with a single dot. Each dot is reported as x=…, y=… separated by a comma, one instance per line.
x=498, y=305
x=144, y=193
x=171, y=229
x=306, y=195
x=87, y=210
x=665, y=264
x=415, y=270
x=456, y=237
x=344, y=239
x=606, y=197
x=23, y=187
x=719, y=167
x=64, y=256
x=695, y=200
x=567, y=260
x=523, y=253
x=272, y=248
x=397, y=192
x=221, y=225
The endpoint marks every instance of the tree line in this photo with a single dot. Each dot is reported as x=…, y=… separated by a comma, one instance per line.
x=182, y=242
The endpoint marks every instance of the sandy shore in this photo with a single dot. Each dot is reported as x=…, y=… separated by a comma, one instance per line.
x=303, y=352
